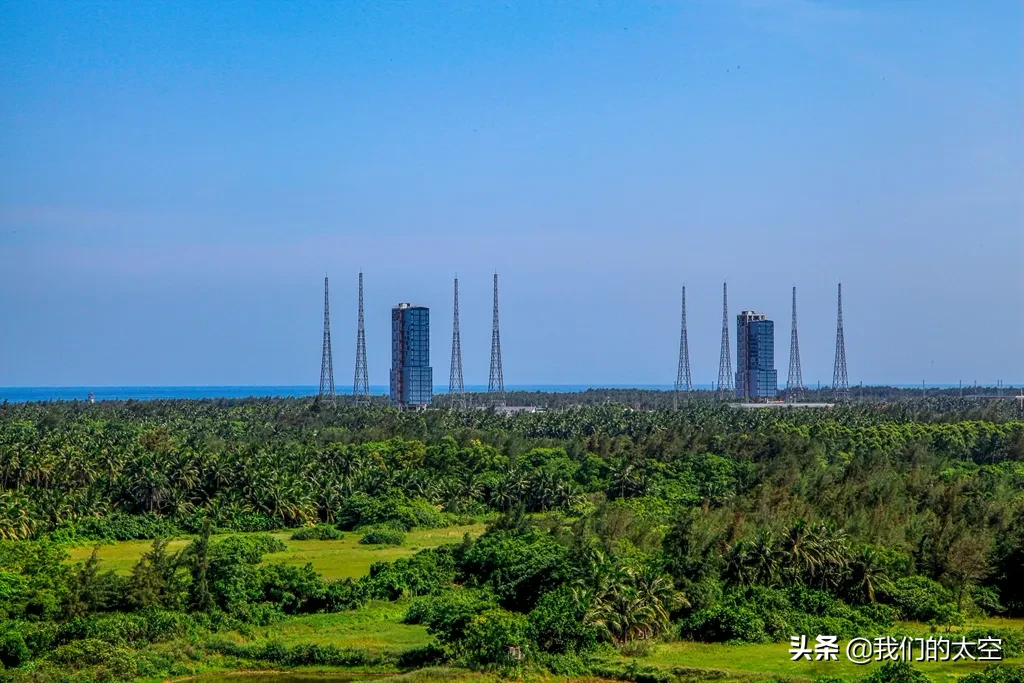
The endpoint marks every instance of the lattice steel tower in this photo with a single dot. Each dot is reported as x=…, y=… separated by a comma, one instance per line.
x=361, y=385
x=455, y=385
x=496, y=382
x=725, y=359
x=683, y=382
x=795, y=381
x=326, y=364
x=840, y=382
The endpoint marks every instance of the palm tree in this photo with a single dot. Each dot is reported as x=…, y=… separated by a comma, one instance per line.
x=869, y=573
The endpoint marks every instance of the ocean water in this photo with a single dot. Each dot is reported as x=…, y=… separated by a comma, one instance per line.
x=31, y=394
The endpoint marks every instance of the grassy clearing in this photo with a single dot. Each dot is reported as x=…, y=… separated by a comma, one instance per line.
x=377, y=627
x=332, y=559
x=773, y=659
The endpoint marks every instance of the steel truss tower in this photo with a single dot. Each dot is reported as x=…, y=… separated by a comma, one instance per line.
x=326, y=364
x=795, y=381
x=496, y=381
x=683, y=382
x=725, y=359
x=840, y=382
x=455, y=385
x=361, y=385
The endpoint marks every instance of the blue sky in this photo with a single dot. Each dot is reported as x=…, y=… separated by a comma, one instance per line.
x=177, y=177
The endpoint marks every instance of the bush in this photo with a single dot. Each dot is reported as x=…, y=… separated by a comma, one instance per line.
x=119, y=526
x=293, y=589
x=519, y=566
x=497, y=636
x=382, y=536
x=421, y=657
x=996, y=673
x=13, y=650
x=762, y=614
x=117, y=660
x=306, y=654
x=425, y=573
x=319, y=532
x=557, y=625
x=896, y=672
x=395, y=510
x=918, y=598
x=448, y=615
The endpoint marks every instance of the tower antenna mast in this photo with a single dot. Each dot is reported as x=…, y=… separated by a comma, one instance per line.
x=326, y=363
x=455, y=385
x=724, y=358
x=795, y=381
x=496, y=381
x=361, y=385
x=840, y=382
x=683, y=381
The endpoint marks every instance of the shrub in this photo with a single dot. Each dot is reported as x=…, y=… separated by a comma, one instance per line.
x=293, y=589
x=420, y=657
x=762, y=614
x=497, y=636
x=394, y=509
x=119, y=526
x=896, y=672
x=519, y=566
x=382, y=536
x=117, y=660
x=305, y=654
x=13, y=650
x=918, y=598
x=448, y=615
x=425, y=573
x=996, y=673
x=557, y=625
x=319, y=532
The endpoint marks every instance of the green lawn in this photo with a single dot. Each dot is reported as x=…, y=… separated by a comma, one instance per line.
x=332, y=559
x=377, y=627
x=773, y=659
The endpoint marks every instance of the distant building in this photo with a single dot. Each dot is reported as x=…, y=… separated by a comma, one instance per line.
x=412, y=379
x=755, y=356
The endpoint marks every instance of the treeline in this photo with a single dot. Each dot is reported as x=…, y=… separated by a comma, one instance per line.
x=262, y=465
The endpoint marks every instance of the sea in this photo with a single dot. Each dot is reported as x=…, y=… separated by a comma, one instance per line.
x=144, y=393
x=140, y=393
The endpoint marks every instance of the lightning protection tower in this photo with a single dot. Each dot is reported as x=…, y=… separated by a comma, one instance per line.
x=496, y=381
x=326, y=364
x=840, y=382
x=683, y=382
x=456, y=389
x=725, y=385
x=795, y=381
x=361, y=385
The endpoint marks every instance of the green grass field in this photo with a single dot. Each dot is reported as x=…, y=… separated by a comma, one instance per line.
x=773, y=660
x=332, y=559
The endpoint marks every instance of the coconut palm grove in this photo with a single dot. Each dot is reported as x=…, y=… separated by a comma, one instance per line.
x=599, y=539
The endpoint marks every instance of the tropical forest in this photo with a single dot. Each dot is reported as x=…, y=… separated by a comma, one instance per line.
x=632, y=537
